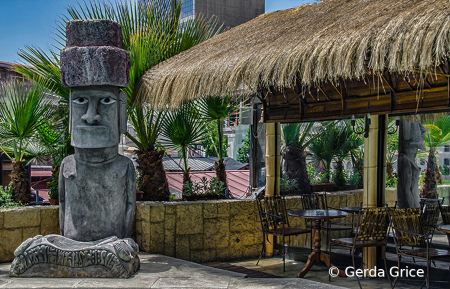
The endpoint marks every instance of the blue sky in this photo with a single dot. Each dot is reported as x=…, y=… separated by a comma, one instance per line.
x=33, y=22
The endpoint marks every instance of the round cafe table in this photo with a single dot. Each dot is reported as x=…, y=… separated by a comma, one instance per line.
x=317, y=255
x=445, y=229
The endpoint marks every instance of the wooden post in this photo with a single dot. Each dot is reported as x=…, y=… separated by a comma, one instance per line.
x=272, y=151
x=374, y=187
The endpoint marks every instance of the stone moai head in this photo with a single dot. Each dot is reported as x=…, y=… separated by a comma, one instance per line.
x=413, y=131
x=95, y=66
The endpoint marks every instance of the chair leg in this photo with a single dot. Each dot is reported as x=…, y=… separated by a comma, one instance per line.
x=329, y=254
x=428, y=273
x=353, y=260
x=262, y=249
x=398, y=266
x=284, y=255
x=386, y=268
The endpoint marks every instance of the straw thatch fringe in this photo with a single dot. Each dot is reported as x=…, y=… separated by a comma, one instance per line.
x=316, y=43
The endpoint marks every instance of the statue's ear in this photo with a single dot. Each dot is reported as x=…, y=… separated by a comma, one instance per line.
x=123, y=112
x=70, y=112
x=407, y=127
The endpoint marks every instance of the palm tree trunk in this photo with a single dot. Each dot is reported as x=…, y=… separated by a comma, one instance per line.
x=152, y=177
x=295, y=164
x=186, y=177
x=21, y=191
x=429, y=181
x=221, y=173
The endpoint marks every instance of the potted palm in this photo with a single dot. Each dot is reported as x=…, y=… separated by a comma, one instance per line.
x=180, y=130
x=23, y=110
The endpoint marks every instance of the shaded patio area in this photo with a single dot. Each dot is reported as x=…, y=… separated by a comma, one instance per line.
x=158, y=271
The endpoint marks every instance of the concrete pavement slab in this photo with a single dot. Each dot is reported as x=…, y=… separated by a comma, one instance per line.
x=158, y=271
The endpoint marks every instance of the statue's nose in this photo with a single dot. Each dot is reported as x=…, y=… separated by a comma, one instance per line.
x=91, y=116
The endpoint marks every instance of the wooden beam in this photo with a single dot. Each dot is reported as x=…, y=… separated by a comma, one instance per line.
x=324, y=93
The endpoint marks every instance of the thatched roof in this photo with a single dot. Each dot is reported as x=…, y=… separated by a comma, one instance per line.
x=316, y=42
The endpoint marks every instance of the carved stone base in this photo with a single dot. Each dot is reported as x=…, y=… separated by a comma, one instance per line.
x=58, y=256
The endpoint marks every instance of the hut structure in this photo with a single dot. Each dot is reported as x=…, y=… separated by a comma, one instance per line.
x=328, y=60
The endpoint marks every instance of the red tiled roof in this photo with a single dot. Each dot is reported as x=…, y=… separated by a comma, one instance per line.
x=238, y=181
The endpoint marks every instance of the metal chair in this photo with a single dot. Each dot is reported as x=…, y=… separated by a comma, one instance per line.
x=371, y=231
x=445, y=213
x=274, y=221
x=413, y=240
x=316, y=201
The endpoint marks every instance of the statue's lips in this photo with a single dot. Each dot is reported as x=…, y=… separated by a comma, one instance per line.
x=92, y=127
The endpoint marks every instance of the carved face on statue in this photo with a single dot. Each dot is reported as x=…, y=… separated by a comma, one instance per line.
x=97, y=116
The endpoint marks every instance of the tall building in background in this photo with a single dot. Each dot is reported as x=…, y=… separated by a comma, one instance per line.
x=229, y=12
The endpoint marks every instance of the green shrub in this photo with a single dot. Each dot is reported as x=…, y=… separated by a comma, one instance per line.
x=353, y=177
x=391, y=182
x=205, y=187
x=288, y=185
x=5, y=198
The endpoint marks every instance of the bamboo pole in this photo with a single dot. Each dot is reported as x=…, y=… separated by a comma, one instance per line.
x=272, y=154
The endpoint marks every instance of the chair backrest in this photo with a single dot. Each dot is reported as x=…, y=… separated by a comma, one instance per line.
x=445, y=212
x=314, y=201
x=408, y=220
x=272, y=211
x=373, y=224
x=429, y=215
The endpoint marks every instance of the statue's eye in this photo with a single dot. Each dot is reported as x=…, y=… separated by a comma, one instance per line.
x=80, y=100
x=107, y=100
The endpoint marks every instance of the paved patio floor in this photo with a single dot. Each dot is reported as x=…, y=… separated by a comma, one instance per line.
x=158, y=271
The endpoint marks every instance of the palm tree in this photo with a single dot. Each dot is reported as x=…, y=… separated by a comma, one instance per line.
x=438, y=134
x=217, y=109
x=297, y=137
x=24, y=109
x=180, y=130
x=327, y=146
x=151, y=33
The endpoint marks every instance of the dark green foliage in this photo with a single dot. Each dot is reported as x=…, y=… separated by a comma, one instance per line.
x=243, y=151
x=212, y=142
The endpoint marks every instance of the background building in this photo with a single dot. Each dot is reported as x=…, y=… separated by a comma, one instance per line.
x=229, y=12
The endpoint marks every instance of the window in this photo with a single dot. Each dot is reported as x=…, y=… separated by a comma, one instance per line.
x=446, y=148
x=447, y=162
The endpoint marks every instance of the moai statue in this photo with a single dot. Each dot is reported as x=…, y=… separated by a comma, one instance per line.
x=410, y=139
x=97, y=186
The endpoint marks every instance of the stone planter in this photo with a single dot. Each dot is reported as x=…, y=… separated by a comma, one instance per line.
x=341, y=188
x=54, y=201
x=329, y=187
x=199, y=197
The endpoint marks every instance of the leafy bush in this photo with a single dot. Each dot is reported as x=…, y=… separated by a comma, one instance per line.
x=316, y=177
x=391, y=182
x=288, y=185
x=353, y=177
x=445, y=170
x=205, y=187
x=5, y=198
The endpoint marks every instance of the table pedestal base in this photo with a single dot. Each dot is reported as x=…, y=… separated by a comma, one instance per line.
x=317, y=254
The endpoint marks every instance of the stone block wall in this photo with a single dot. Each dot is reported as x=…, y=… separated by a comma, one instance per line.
x=19, y=224
x=196, y=231
x=199, y=231
x=216, y=230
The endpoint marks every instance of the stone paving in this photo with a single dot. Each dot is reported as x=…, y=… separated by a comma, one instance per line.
x=158, y=271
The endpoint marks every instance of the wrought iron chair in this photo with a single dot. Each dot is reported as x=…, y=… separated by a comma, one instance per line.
x=371, y=231
x=316, y=201
x=274, y=221
x=429, y=214
x=413, y=240
x=445, y=213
